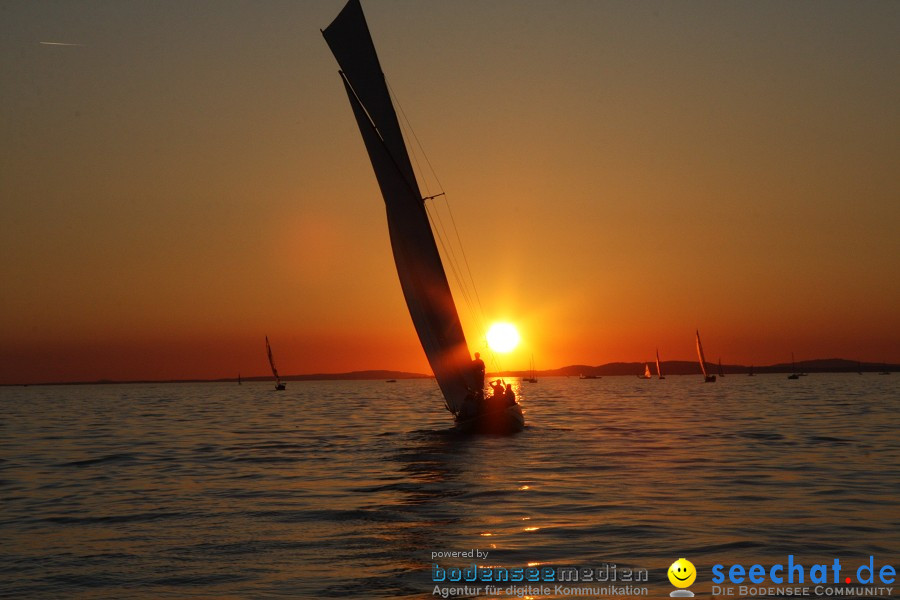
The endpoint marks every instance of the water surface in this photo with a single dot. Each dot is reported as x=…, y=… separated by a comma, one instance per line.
x=344, y=489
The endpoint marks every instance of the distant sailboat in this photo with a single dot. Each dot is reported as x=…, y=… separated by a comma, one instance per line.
x=707, y=378
x=721, y=372
x=647, y=374
x=532, y=378
x=419, y=267
x=794, y=374
x=751, y=371
x=279, y=385
x=239, y=379
x=658, y=369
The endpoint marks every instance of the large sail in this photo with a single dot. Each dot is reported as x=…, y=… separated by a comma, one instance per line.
x=419, y=266
x=700, y=355
x=272, y=361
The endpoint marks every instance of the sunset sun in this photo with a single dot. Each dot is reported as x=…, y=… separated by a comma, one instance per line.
x=503, y=337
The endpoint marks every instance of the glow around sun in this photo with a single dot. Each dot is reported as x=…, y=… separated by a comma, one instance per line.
x=503, y=337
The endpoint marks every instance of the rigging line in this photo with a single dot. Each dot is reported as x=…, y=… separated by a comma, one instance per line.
x=449, y=250
x=471, y=280
x=411, y=185
x=460, y=279
x=396, y=101
x=442, y=233
x=438, y=229
x=415, y=155
x=441, y=187
x=453, y=268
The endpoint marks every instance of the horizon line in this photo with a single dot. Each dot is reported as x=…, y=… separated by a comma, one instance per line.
x=369, y=374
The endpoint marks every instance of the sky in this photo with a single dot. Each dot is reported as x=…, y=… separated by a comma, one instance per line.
x=187, y=178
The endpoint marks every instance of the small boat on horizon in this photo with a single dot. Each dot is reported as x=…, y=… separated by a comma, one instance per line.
x=647, y=374
x=707, y=378
x=583, y=376
x=794, y=374
x=531, y=379
x=658, y=370
x=279, y=385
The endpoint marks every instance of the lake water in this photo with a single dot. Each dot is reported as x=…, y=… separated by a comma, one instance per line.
x=344, y=489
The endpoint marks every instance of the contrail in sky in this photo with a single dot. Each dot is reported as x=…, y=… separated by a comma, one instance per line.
x=59, y=44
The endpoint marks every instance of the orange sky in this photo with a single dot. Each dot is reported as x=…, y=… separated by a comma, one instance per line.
x=190, y=179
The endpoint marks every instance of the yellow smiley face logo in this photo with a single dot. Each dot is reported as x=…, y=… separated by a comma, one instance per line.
x=682, y=573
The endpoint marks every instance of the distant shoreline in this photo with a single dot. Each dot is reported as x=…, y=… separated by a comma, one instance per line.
x=615, y=369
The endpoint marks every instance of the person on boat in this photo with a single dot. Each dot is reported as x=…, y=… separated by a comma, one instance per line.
x=478, y=367
x=499, y=392
x=510, y=395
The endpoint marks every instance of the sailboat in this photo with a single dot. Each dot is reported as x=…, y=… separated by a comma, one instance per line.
x=419, y=267
x=658, y=369
x=794, y=374
x=647, y=374
x=532, y=378
x=707, y=378
x=279, y=384
x=751, y=371
x=721, y=372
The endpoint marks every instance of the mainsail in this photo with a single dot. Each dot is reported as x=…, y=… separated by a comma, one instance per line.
x=272, y=362
x=700, y=354
x=658, y=370
x=416, y=256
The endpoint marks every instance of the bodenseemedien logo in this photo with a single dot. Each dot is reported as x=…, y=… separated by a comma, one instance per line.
x=682, y=574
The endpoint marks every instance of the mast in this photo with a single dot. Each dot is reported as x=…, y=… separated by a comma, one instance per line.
x=419, y=267
x=700, y=355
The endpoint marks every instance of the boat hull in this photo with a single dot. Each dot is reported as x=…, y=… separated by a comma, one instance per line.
x=709, y=379
x=500, y=421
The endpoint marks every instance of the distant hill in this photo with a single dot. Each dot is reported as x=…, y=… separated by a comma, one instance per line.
x=348, y=376
x=669, y=367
